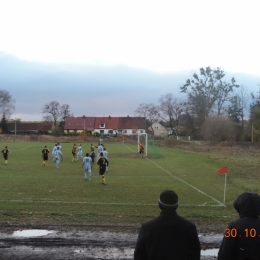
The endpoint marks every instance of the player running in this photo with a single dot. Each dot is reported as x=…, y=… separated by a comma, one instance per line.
x=60, y=148
x=80, y=152
x=100, y=149
x=53, y=152
x=87, y=162
x=92, y=155
x=73, y=151
x=102, y=162
x=105, y=153
x=57, y=157
x=5, y=153
x=45, y=155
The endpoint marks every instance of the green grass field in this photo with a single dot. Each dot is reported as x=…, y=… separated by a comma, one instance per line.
x=31, y=193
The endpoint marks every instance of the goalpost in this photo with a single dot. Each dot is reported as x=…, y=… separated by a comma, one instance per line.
x=145, y=138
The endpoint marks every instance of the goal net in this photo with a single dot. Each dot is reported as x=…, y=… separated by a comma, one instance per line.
x=149, y=144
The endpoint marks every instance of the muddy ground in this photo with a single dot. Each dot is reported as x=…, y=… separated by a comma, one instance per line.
x=85, y=242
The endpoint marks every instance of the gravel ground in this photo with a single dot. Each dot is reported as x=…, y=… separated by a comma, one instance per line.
x=83, y=242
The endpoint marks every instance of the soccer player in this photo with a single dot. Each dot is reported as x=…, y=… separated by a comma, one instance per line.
x=105, y=153
x=91, y=147
x=45, y=153
x=80, y=152
x=60, y=148
x=92, y=155
x=5, y=153
x=141, y=150
x=102, y=162
x=53, y=152
x=57, y=157
x=73, y=151
x=87, y=162
x=100, y=149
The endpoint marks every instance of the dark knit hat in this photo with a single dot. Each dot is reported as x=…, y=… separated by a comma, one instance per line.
x=168, y=200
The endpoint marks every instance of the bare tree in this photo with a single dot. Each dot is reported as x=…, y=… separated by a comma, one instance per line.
x=171, y=109
x=53, y=112
x=188, y=118
x=65, y=112
x=149, y=111
x=244, y=96
x=254, y=121
x=223, y=93
x=238, y=103
x=6, y=103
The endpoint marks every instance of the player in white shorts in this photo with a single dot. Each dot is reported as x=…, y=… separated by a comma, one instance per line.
x=87, y=161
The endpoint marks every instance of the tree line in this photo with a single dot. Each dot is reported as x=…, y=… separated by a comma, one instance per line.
x=213, y=109
x=53, y=112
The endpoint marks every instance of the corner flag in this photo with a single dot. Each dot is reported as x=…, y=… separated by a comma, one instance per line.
x=222, y=170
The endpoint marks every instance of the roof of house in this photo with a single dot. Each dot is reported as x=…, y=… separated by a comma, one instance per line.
x=131, y=123
x=77, y=123
x=114, y=123
x=110, y=122
x=21, y=126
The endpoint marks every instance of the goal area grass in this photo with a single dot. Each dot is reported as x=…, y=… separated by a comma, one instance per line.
x=31, y=193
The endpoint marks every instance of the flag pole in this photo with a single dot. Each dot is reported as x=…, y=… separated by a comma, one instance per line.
x=225, y=185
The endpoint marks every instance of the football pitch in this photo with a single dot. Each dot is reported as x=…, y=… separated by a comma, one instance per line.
x=32, y=193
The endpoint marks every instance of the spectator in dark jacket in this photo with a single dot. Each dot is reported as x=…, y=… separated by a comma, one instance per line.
x=241, y=239
x=168, y=236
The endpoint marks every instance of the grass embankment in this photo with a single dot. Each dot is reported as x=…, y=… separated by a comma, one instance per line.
x=31, y=193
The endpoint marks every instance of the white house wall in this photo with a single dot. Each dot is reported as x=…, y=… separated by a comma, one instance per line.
x=123, y=131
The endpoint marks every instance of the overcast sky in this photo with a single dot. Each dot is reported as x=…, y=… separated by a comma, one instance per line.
x=107, y=57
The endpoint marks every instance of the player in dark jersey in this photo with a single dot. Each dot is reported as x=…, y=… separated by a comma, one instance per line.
x=74, y=151
x=5, y=153
x=45, y=155
x=103, y=163
x=92, y=155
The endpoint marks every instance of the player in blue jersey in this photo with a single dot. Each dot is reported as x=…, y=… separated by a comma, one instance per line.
x=80, y=152
x=57, y=157
x=53, y=152
x=60, y=148
x=100, y=149
x=87, y=162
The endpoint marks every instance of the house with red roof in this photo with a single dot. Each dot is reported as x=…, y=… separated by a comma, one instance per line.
x=131, y=125
x=77, y=125
x=105, y=125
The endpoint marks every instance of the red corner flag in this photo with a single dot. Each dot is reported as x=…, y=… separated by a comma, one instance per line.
x=222, y=170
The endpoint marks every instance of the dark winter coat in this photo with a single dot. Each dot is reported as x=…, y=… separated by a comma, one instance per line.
x=168, y=237
x=242, y=237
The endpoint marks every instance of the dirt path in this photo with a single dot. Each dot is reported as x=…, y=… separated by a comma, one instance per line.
x=77, y=242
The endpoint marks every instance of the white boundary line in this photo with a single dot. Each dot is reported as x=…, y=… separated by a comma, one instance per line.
x=100, y=203
x=220, y=203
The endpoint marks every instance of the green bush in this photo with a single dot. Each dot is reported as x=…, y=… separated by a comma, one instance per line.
x=170, y=142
